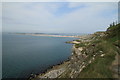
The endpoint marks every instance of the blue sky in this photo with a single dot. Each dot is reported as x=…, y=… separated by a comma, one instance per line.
x=58, y=17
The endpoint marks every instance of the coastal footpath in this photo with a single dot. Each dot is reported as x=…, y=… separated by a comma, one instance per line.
x=93, y=56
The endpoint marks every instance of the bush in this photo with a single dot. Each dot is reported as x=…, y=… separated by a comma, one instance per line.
x=79, y=45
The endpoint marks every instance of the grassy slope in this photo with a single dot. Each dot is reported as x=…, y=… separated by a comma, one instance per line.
x=100, y=68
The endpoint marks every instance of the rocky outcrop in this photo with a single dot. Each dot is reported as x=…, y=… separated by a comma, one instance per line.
x=78, y=61
x=89, y=49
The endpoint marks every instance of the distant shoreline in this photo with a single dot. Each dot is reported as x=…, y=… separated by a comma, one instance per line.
x=49, y=35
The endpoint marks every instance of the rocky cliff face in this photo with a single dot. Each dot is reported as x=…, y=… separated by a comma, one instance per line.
x=93, y=56
x=71, y=68
x=82, y=56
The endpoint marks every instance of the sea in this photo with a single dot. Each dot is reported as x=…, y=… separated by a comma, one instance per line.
x=23, y=55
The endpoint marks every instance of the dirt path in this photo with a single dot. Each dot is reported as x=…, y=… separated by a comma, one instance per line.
x=116, y=66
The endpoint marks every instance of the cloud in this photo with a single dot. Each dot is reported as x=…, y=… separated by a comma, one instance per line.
x=63, y=17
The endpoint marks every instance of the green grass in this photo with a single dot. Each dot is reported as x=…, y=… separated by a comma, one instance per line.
x=78, y=40
x=113, y=33
x=79, y=45
x=100, y=67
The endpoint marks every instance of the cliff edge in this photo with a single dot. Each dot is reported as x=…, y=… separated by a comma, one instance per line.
x=93, y=56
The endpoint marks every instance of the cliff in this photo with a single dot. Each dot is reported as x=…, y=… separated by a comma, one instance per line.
x=93, y=56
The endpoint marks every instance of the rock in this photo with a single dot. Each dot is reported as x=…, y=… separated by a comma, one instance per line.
x=101, y=51
x=102, y=55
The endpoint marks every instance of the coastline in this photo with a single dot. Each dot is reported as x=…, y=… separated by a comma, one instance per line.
x=50, y=35
x=57, y=70
x=88, y=53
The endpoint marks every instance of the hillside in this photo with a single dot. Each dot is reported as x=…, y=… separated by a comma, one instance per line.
x=93, y=56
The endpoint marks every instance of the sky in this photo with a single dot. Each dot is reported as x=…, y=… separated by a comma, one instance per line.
x=58, y=17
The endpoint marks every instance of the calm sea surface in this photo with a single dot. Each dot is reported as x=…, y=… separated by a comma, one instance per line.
x=24, y=54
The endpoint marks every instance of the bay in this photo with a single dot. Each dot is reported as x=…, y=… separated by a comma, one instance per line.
x=25, y=54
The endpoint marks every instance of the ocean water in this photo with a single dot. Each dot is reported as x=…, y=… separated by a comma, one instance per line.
x=25, y=54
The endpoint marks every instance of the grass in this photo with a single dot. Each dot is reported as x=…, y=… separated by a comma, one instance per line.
x=79, y=45
x=100, y=67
